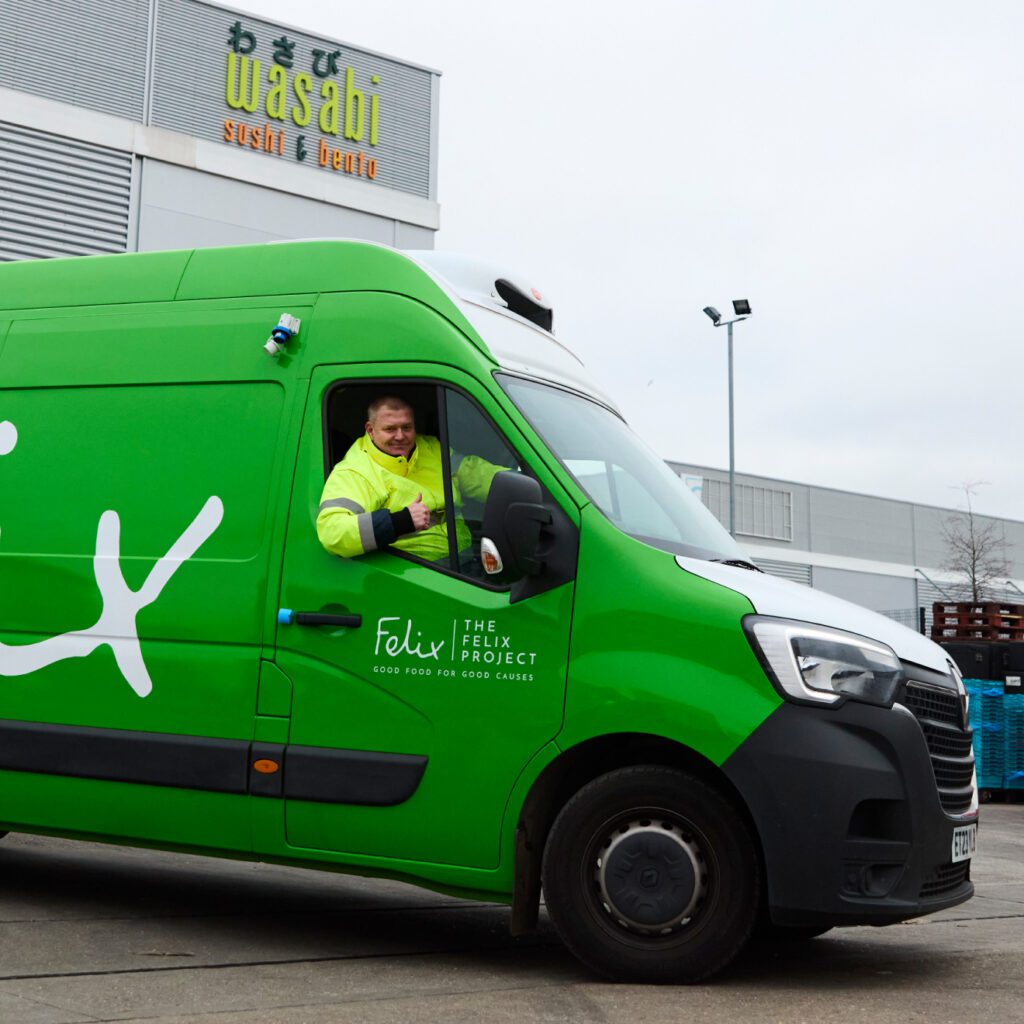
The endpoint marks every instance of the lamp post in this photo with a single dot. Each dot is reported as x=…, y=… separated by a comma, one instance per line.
x=741, y=309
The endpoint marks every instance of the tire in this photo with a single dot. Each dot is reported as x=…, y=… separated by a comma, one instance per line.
x=651, y=875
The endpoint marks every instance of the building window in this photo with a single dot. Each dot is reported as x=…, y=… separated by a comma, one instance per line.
x=760, y=511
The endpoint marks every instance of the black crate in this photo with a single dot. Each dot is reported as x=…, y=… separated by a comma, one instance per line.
x=1000, y=659
x=977, y=660
x=1013, y=662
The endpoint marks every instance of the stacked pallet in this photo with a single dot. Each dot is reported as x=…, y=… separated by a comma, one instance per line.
x=985, y=620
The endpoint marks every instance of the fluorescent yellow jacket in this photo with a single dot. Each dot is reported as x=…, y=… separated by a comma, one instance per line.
x=364, y=502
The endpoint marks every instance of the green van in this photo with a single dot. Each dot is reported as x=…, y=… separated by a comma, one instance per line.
x=620, y=710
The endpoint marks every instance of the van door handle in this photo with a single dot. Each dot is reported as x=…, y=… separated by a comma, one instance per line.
x=287, y=617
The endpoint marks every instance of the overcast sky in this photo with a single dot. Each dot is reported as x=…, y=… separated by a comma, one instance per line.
x=853, y=170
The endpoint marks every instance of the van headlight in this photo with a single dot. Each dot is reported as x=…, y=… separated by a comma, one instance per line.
x=817, y=664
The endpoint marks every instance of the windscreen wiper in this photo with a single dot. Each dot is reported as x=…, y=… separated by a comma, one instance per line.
x=740, y=563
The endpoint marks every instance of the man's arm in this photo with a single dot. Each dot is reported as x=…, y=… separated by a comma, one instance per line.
x=475, y=475
x=352, y=522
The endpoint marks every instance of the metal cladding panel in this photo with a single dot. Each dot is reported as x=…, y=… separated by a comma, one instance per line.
x=872, y=590
x=190, y=94
x=863, y=526
x=61, y=197
x=794, y=571
x=88, y=53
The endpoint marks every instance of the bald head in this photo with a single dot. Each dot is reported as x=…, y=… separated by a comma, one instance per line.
x=390, y=425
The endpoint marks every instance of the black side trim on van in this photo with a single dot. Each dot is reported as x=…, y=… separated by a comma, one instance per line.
x=320, y=774
x=327, y=775
x=121, y=755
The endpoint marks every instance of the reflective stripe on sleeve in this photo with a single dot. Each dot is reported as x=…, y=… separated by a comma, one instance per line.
x=366, y=535
x=346, y=503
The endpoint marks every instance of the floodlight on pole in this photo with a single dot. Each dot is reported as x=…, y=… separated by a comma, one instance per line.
x=741, y=308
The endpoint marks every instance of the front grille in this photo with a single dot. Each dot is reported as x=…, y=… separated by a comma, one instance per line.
x=934, y=704
x=945, y=879
x=945, y=741
x=952, y=774
x=941, y=717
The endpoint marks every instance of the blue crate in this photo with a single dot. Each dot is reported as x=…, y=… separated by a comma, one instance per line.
x=986, y=714
x=990, y=755
x=1013, y=705
x=985, y=706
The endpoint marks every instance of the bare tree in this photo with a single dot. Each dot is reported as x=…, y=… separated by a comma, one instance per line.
x=976, y=551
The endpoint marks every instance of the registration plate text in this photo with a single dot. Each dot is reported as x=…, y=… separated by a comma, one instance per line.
x=965, y=841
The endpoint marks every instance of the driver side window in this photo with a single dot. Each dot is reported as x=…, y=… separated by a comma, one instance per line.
x=478, y=454
x=448, y=472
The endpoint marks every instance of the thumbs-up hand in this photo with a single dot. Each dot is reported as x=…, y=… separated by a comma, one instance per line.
x=420, y=513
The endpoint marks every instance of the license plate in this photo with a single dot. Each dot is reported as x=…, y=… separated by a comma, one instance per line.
x=965, y=841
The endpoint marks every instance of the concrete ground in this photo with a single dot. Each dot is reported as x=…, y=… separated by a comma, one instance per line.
x=96, y=933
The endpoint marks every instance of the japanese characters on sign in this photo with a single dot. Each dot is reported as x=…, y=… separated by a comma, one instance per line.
x=288, y=99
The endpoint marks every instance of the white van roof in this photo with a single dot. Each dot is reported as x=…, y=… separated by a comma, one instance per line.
x=508, y=311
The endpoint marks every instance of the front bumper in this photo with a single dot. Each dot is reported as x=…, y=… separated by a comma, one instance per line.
x=847, y=809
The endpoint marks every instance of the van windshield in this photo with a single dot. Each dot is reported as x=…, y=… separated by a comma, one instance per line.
x=622, y=476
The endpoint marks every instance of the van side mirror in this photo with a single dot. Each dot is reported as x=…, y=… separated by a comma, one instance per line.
x=513, y=518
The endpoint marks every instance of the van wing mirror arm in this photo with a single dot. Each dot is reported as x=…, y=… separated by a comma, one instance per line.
x=523, y=524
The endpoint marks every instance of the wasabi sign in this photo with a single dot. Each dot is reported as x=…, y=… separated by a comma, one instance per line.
x=325, y=97
x=280, y=93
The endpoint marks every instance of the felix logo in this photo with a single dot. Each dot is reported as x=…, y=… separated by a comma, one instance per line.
x=116, y=626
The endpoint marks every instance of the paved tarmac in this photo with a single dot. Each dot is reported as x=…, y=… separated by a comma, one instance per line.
x=99, y=933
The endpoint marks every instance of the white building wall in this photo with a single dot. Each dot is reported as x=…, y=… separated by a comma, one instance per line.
x=184, y=208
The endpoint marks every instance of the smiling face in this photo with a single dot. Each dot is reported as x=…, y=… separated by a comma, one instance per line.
x=391, y=427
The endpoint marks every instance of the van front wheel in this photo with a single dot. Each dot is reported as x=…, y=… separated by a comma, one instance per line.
x=649, y=874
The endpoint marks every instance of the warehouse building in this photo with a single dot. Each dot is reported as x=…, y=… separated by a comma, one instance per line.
x=131, y=125
x=159, y=124
x=878, y=552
